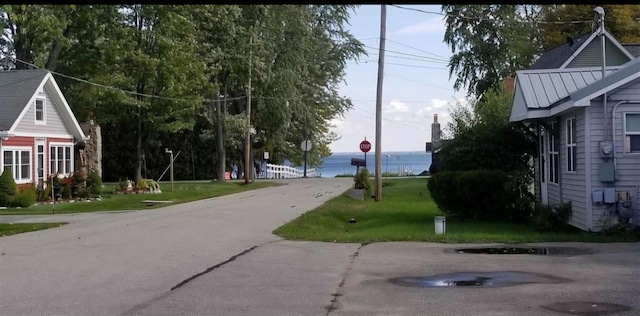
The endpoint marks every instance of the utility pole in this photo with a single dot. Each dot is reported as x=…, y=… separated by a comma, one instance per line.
x=219, y=140
x=305, y=143
x=247, y=147
x=383, y=31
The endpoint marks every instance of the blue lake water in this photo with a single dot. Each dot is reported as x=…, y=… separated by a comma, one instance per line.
x=393, y=162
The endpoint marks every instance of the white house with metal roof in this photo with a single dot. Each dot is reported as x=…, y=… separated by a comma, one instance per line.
x=38, y=130
x=588, y=128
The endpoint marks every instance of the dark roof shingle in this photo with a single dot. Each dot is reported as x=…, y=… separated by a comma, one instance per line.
x=555, y=57
x=16, y=88
x=633, y=49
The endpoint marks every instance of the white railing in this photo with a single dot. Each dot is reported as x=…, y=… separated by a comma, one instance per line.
x=286, y=172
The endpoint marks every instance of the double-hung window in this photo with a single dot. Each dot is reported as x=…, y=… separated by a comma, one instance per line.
x=39, y=108
x=554, y=154
x=60, y=159
x=632, y=132
x=18, y=161
x=571, y=145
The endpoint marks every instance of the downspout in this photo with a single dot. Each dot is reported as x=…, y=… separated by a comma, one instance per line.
x=613, y=128
x=604, y=70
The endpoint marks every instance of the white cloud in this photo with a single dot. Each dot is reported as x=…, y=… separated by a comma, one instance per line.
x=396, y=106
x=437, y=106
x=438, y=103
x=435, y=25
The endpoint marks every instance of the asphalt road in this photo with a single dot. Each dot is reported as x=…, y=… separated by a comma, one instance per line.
x=108, y=264
x=218, y=257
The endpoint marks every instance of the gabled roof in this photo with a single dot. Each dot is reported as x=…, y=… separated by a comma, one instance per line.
x=563, y=54
x=554, y=57
x=542, y=88
x=592, y=37
x=16, y=89
x=624, y=75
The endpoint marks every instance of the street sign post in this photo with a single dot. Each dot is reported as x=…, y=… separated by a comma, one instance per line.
x=365, y=147
x=306, y=146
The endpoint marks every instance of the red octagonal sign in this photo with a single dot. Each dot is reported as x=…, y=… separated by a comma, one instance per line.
x=365, y=146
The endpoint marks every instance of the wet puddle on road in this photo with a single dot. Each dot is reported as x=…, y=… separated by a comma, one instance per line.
x=478, y=279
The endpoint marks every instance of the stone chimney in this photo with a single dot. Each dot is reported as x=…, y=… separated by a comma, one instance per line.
x=435, y=132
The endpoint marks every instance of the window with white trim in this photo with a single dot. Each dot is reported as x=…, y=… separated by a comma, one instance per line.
x=18, y=161
x=572, y=148
x=554, y=154
x=60, y=159
x=632, y=133
x=39, y=109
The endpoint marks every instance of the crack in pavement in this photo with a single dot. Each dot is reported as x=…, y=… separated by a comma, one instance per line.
x=232, y=258
x=335, y=295
x=139, y=307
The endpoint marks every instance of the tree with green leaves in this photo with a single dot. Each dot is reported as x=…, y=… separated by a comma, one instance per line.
x=620, y=20
x=489, y=43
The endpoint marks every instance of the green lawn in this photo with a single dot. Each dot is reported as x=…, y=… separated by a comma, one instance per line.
x=12, y=229
x=183, y=192
x=406, y=214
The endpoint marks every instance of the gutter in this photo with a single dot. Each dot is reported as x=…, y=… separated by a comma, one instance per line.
x=613, y=128
x=6, y=134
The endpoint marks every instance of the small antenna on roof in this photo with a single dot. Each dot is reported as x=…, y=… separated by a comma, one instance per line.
x=570, y=42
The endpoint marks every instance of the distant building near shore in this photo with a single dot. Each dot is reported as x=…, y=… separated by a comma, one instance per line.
x=433, y=147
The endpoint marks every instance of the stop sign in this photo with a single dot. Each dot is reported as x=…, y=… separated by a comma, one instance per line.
x=365, y=146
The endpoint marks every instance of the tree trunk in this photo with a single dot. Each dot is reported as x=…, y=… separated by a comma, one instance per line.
x=54, y=53
x=220, y=139
x=139, y=148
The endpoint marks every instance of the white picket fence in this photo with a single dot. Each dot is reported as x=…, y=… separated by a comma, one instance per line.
x=286, y=172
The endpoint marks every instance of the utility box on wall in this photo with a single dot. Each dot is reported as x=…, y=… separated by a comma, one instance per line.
x=610, y=195
x=607, y=172
x=597, y=197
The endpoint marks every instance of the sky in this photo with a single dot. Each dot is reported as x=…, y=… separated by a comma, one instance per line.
x=416, y=81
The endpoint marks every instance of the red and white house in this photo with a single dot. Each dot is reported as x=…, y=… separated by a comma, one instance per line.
x=38, y=130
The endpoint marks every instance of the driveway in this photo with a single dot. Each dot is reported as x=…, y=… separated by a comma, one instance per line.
x=218, y=257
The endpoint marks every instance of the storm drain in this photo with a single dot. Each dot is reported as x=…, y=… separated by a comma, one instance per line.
x=478, y=279
x=587, y=308
x=558, y=251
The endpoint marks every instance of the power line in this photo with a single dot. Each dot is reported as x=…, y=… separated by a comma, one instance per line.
x=420, y=82
x=121, y=90
x=408, y=54
x=416, y=59
x=486, y=19
x=366, y=61
x=418, y=49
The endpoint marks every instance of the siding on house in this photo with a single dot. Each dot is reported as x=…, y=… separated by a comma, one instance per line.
x=573, y=183
x=591, y=56
x=55, y=125
x=628, y=165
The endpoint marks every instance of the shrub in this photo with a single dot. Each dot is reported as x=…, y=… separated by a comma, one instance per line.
x=8, y=188
x=94, y=184
x=362, y=181
x=26, y=197
x=476, y=194
x=152, y=185
x=141, y=184
x=552, y=217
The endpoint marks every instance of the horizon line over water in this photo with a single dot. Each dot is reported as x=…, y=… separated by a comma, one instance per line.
x=410, y=162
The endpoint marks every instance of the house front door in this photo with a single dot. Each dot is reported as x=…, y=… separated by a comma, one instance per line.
x=40, y=161
x=544, y=166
